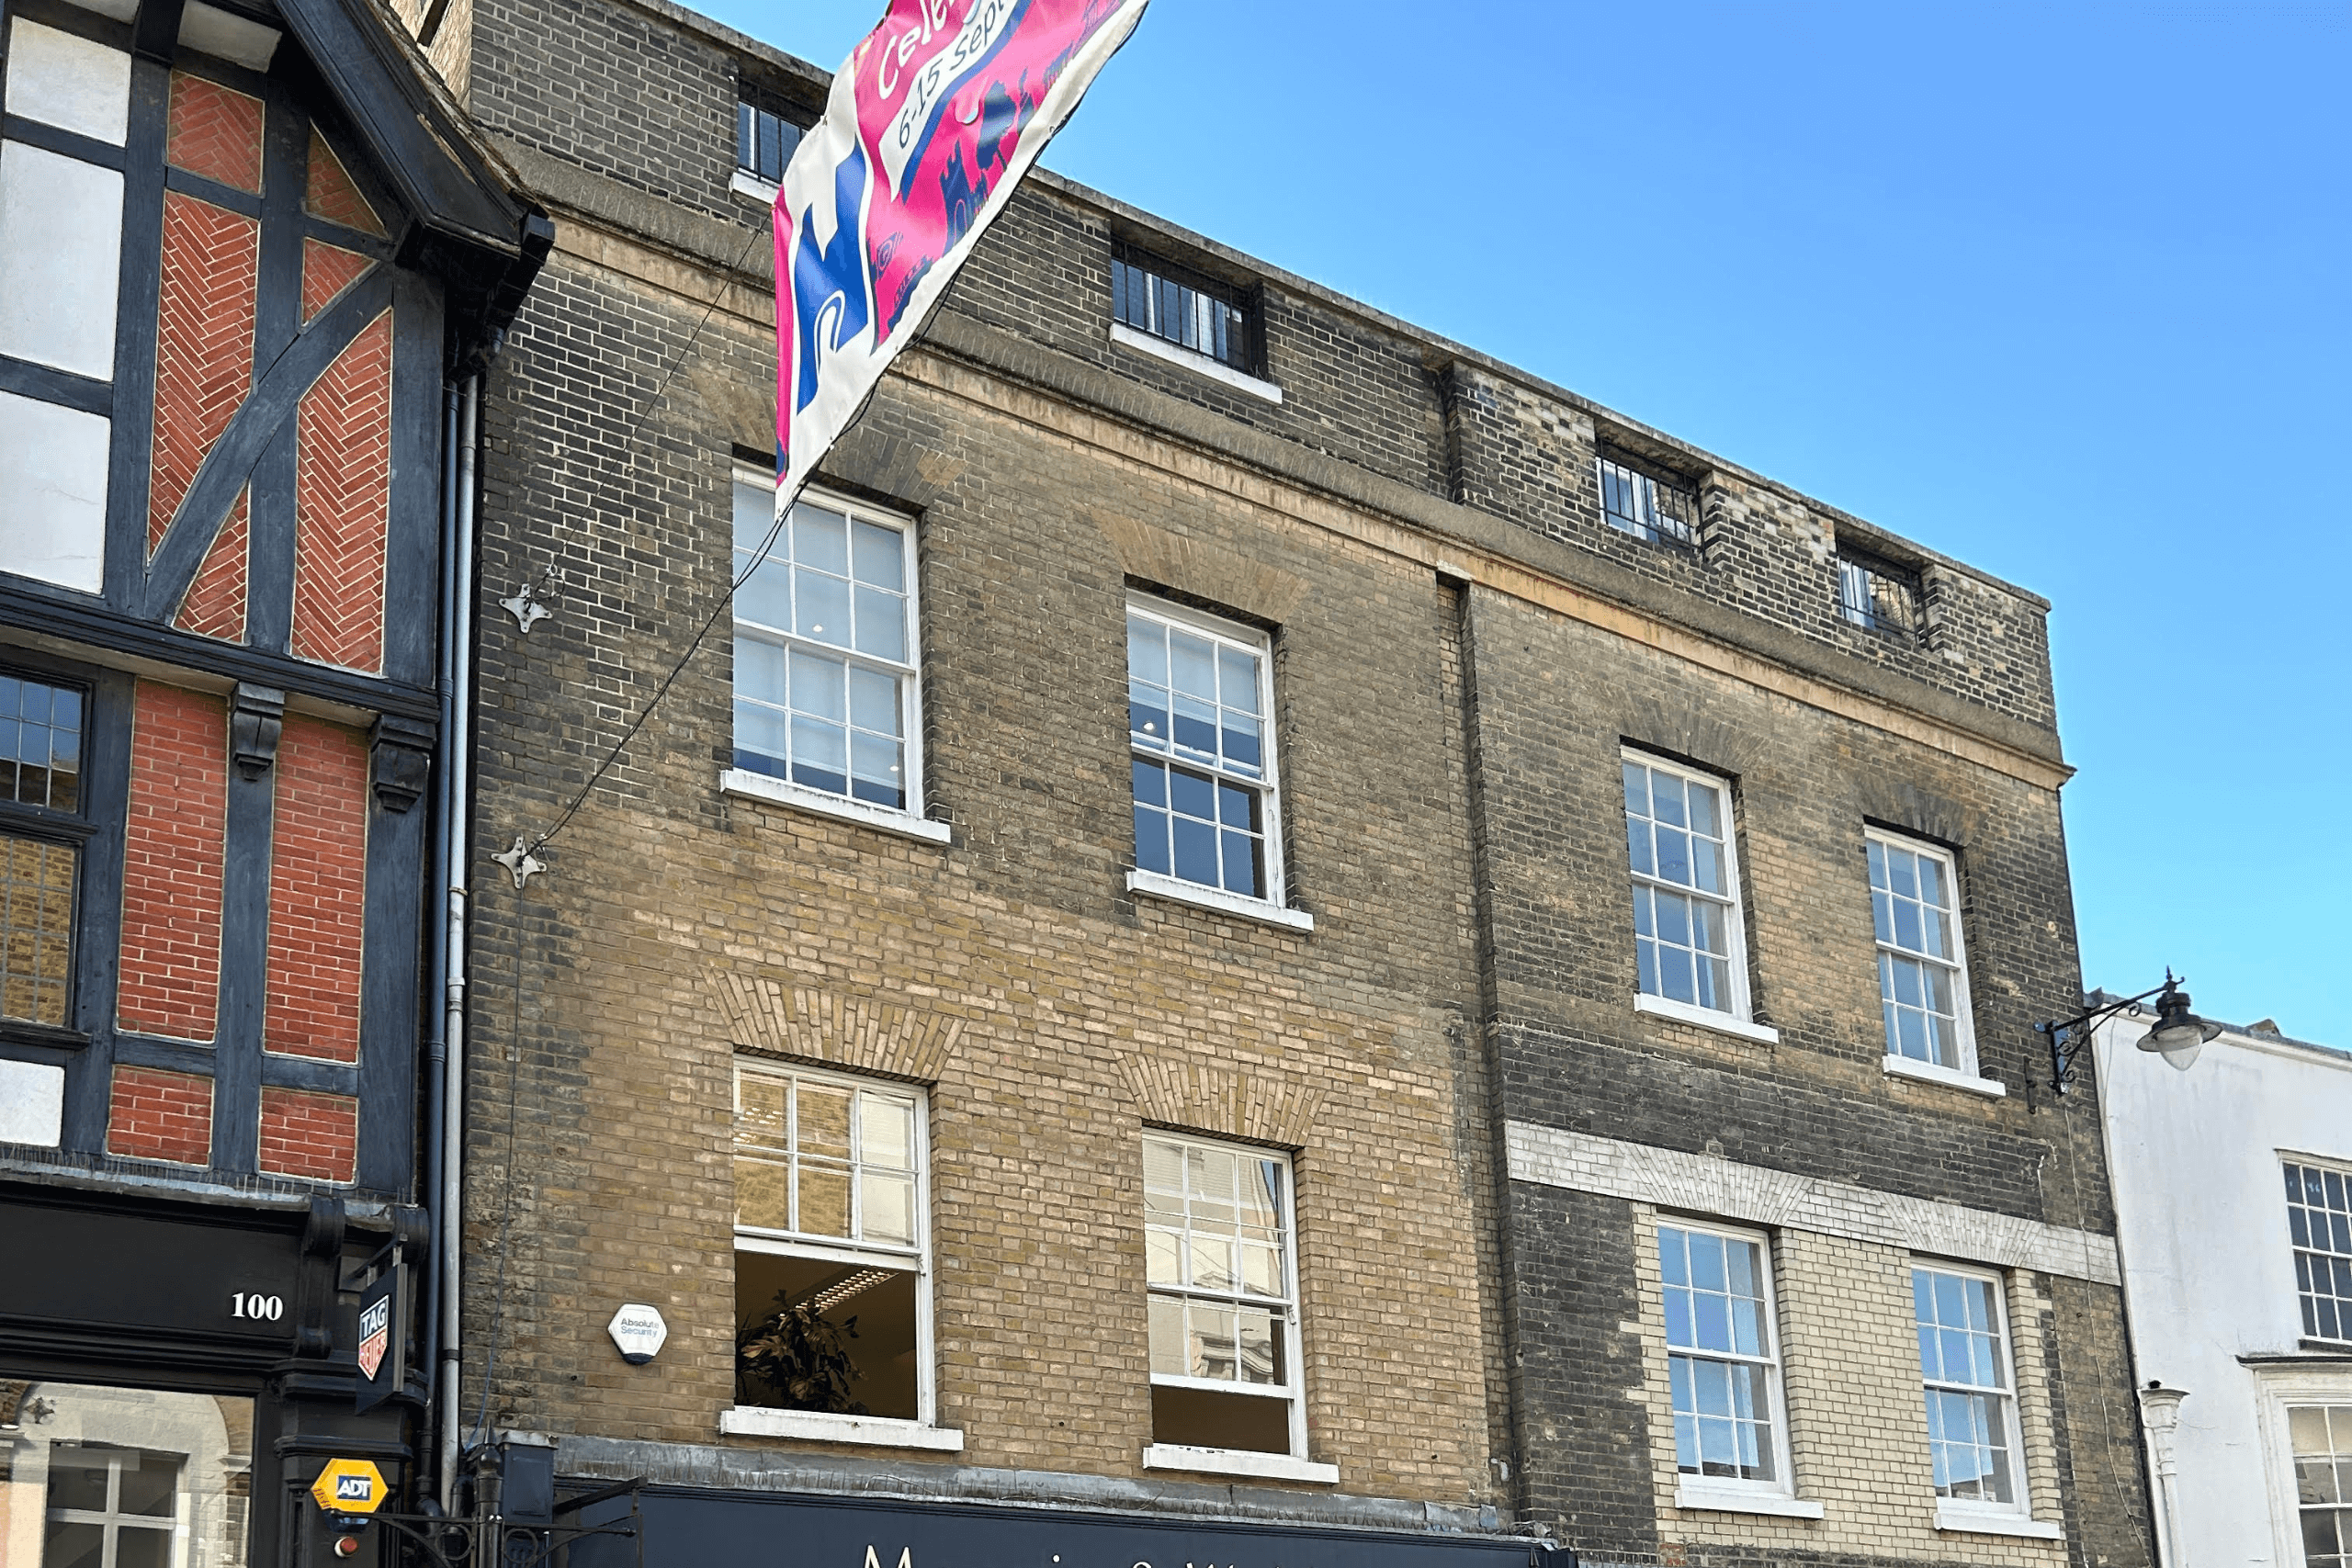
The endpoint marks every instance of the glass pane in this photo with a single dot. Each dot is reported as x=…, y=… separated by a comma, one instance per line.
x=1238, y=684
x=1146, y=650
x=1261, y=1270
x=147, y=1486
x=874, y=701
x=1163, y=1257
x=821, y=755
x=136, y=1547
x=817, y=685
x=754, y=515
x=1637, y=790
x=1211, y=1333
x=1169, y=1357
x=763, y=1193
x=820, y=607
x=78, y=1483
x=881, y=556
x=824, y=1199
x=824, y=1120
x=1197, y=852
x=820, y=539
x=886, y=1132
x=1260, y=1361
x=74, y=1546
x=1706, y=815
x=1244, y=872
x=888, y=1208
x=1192, y=795
x=765, y=597
x=1151, y=841
x=762, y=1112
x=881, y=625
x=1192, y=662
x=1147, y=714
x=876, y=770
x=1163, y=1167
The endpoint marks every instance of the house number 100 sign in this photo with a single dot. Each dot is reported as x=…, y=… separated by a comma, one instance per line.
x=267, y=1309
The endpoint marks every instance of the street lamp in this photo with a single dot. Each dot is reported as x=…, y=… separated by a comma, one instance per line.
x=2178, y=1036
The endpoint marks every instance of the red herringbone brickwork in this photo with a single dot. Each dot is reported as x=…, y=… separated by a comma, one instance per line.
x=173, y=842
x=327, y=271
x=204, y=343
x=318, y=884
x=342, y=502
x=215, y=605
x=334, y=196
x=215, y=131
x=160, y=1116
x=310, y=1135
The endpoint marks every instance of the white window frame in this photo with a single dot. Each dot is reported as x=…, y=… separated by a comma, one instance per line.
x=112, y=1520
x=924, y=1431
x=1293, y=1391
x=1274, y=904
x=2344, y=1305
x=2279, y=1390
x=1965, y=1073
x=1967, y=1512
x=1728, y=1493
x=908, y=821
x=1742, y=1012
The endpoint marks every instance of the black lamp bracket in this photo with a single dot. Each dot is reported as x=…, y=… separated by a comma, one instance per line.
x=2068, y=1035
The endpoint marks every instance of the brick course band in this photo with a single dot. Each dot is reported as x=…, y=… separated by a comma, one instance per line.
x=1703, y=1184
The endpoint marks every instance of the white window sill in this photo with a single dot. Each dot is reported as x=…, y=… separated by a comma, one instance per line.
x=1126, y=336
x=1225, y=903
x=783, y=792
x=1987, y=1522
x=874, y=1431
x=1705, y=1018
x=1239, y=1461
x=746, y=183
x=1722, y=1499
x=1952, y=1077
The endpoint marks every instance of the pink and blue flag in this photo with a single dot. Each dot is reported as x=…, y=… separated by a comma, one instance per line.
x=930, y=124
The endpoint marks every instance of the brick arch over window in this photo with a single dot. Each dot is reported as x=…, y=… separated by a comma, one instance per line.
x=1261, y=1108
x=766, y=1013
x=1900, y=804
x=1687, y=731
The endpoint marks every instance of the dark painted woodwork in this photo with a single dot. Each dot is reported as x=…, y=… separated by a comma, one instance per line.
x=62, y=612
x=56, y=139
x=28, y=379
x=213, y=191
x=413, y=543
x=277, y=319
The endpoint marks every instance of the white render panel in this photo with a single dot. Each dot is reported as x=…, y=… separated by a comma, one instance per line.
x=52, y=492
x=60, y=259
x=1707, y=1184
x=32, y=1103
x=69, y=82
x=234, y=39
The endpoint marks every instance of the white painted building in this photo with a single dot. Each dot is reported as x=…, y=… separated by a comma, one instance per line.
x=2239, y=1297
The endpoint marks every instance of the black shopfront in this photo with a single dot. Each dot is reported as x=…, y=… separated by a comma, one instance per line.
x=173, y=1374
x=685, y=1527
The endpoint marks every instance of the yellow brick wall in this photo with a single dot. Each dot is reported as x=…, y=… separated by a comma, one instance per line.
x=1855, y=1408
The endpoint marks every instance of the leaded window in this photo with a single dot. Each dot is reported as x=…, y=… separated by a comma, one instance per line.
x=2319, y=1217
x=1223, y=1296
x=1199, y=700
x=41, y=805
x=1723, y=1357
x=2321, y=1435
x=1687, y=938
x=1922, y=978
x=1971, y=1399
x=825, y=641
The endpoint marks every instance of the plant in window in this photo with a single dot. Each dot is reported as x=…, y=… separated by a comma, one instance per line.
x=798, y=1359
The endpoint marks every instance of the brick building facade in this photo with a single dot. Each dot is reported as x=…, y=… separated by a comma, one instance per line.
x=1452, y=701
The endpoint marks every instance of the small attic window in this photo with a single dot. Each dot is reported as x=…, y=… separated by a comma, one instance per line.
x=1185, y=308
x=766, y=133
x=1876, y=594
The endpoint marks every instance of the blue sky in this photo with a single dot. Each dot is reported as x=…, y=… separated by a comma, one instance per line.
x=2060, y=291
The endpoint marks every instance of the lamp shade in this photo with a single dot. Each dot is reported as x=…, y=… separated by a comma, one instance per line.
x=2178, y=1035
